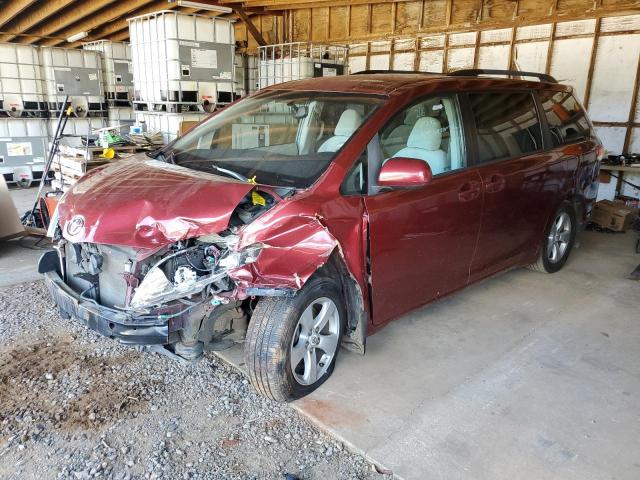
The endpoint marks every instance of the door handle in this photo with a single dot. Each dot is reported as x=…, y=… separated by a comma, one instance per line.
x=469, y=191
x=495, y=184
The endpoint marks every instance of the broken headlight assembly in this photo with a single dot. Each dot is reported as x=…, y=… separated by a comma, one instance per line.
x=235, y=259
x=159, y=287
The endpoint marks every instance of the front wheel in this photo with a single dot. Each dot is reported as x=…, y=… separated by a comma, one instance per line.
x=558, y=241
x=292, y=343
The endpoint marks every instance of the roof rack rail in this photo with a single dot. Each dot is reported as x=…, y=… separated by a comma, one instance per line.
x=474, y=72
x=410, y=72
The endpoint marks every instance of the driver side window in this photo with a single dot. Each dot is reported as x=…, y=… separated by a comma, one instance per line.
x=430, y=130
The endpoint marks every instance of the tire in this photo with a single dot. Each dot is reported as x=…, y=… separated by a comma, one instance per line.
x=557, y=242
x=278, y=331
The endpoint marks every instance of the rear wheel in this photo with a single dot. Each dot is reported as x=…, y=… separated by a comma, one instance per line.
x=292, y=343
x=558, y=241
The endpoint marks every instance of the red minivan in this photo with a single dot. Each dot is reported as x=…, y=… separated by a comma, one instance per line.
x=309, y=215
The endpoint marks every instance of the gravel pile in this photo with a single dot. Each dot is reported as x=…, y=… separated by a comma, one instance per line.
x=76, y=405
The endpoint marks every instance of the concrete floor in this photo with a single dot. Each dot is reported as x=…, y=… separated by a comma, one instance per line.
x=525, y=376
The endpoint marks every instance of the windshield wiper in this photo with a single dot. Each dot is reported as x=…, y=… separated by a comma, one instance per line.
x=231, y=173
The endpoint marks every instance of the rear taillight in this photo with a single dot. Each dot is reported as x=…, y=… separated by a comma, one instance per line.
x=600, y=151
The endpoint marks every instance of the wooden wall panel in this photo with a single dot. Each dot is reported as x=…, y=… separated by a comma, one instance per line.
x=465, y=12
x=359, y=21
x=269, y=26
x=535, y=8
x=381, y=18
x=407, y=16
x=621, y=3
x=301, y=23
x=319, y=24
x=435, y=13
x=574, y=5
x=338, y=22
x=499, y=10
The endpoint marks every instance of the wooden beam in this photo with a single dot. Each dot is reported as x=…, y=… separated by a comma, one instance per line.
x=299, y=4
x=12, y=8
x=592, y=64
x=632, y=111
x=70, y=16
x=257, y=36
x=243, y=15
x=112, y=20
x=32, y=18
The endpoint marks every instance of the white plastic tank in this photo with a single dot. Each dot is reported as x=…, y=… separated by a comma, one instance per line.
x=76, y=73
x=284, y=62
x=182, y=62
x=23, y=142
x=21, y=85
x=117, y=75
x=246, y=74
x=167, y=123
x=77, y=129
x=123, y=116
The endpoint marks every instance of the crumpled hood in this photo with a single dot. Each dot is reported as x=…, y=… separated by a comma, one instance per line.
x=145, y=203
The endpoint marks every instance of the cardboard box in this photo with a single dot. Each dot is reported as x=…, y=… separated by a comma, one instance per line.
x=186, y=125
x=10, y=225
x=613, y=215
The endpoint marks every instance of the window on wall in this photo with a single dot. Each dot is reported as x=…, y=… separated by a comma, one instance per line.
x=430, y=131
x=507, y=125
x=567, y=120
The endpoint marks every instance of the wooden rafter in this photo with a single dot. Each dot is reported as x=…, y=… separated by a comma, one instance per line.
x=112, y=20
x=12, y=8
x=38, y=13
x=255, y=33
x=69, y=16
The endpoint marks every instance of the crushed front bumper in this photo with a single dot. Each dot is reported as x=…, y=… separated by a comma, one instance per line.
x=125, y=328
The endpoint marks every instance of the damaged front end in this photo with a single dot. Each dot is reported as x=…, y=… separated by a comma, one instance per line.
x=183, y=275
x=179, y=296
x=177, y=278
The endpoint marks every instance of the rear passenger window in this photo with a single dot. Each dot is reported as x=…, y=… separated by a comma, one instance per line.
x=507, y=125
x=567, y=120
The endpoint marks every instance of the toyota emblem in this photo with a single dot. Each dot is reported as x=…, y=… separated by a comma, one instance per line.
x=75, y=226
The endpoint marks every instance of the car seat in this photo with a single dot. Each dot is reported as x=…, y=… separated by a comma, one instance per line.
x=397, y=139
x=348, y=123
x=424, y=144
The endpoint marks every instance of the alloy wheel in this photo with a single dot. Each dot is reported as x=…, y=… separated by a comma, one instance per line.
x=315, y=341
x=559, y=237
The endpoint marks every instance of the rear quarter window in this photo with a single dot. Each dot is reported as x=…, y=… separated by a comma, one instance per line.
x=507, y=125
x=567, y=120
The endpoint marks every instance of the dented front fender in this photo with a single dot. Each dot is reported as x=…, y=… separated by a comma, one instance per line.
x=294, y=247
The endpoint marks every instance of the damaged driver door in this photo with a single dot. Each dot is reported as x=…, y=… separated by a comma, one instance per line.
x=422, y=239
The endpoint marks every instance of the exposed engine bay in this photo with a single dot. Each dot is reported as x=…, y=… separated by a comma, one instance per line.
x=186, y=283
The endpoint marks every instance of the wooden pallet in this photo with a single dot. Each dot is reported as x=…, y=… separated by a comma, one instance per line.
x=72, y=163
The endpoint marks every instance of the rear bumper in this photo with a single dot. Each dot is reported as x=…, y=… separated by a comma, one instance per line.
x=125, y=328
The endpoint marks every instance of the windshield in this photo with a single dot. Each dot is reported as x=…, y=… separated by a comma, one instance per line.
x=285, y=139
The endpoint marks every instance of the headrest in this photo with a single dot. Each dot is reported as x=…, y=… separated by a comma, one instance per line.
x=426, y=134
x=349, y=122
x=412, y=115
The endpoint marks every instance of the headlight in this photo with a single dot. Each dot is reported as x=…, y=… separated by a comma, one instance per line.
x=156, y=288
x=241, y=257
x=153, y=287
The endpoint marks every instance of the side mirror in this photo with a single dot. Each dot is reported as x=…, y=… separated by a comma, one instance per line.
x=401, y=172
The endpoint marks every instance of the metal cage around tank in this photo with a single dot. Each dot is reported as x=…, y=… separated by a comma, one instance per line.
x=76, y=74
x=284, y=62
x=22, y=92
x=182, y=62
